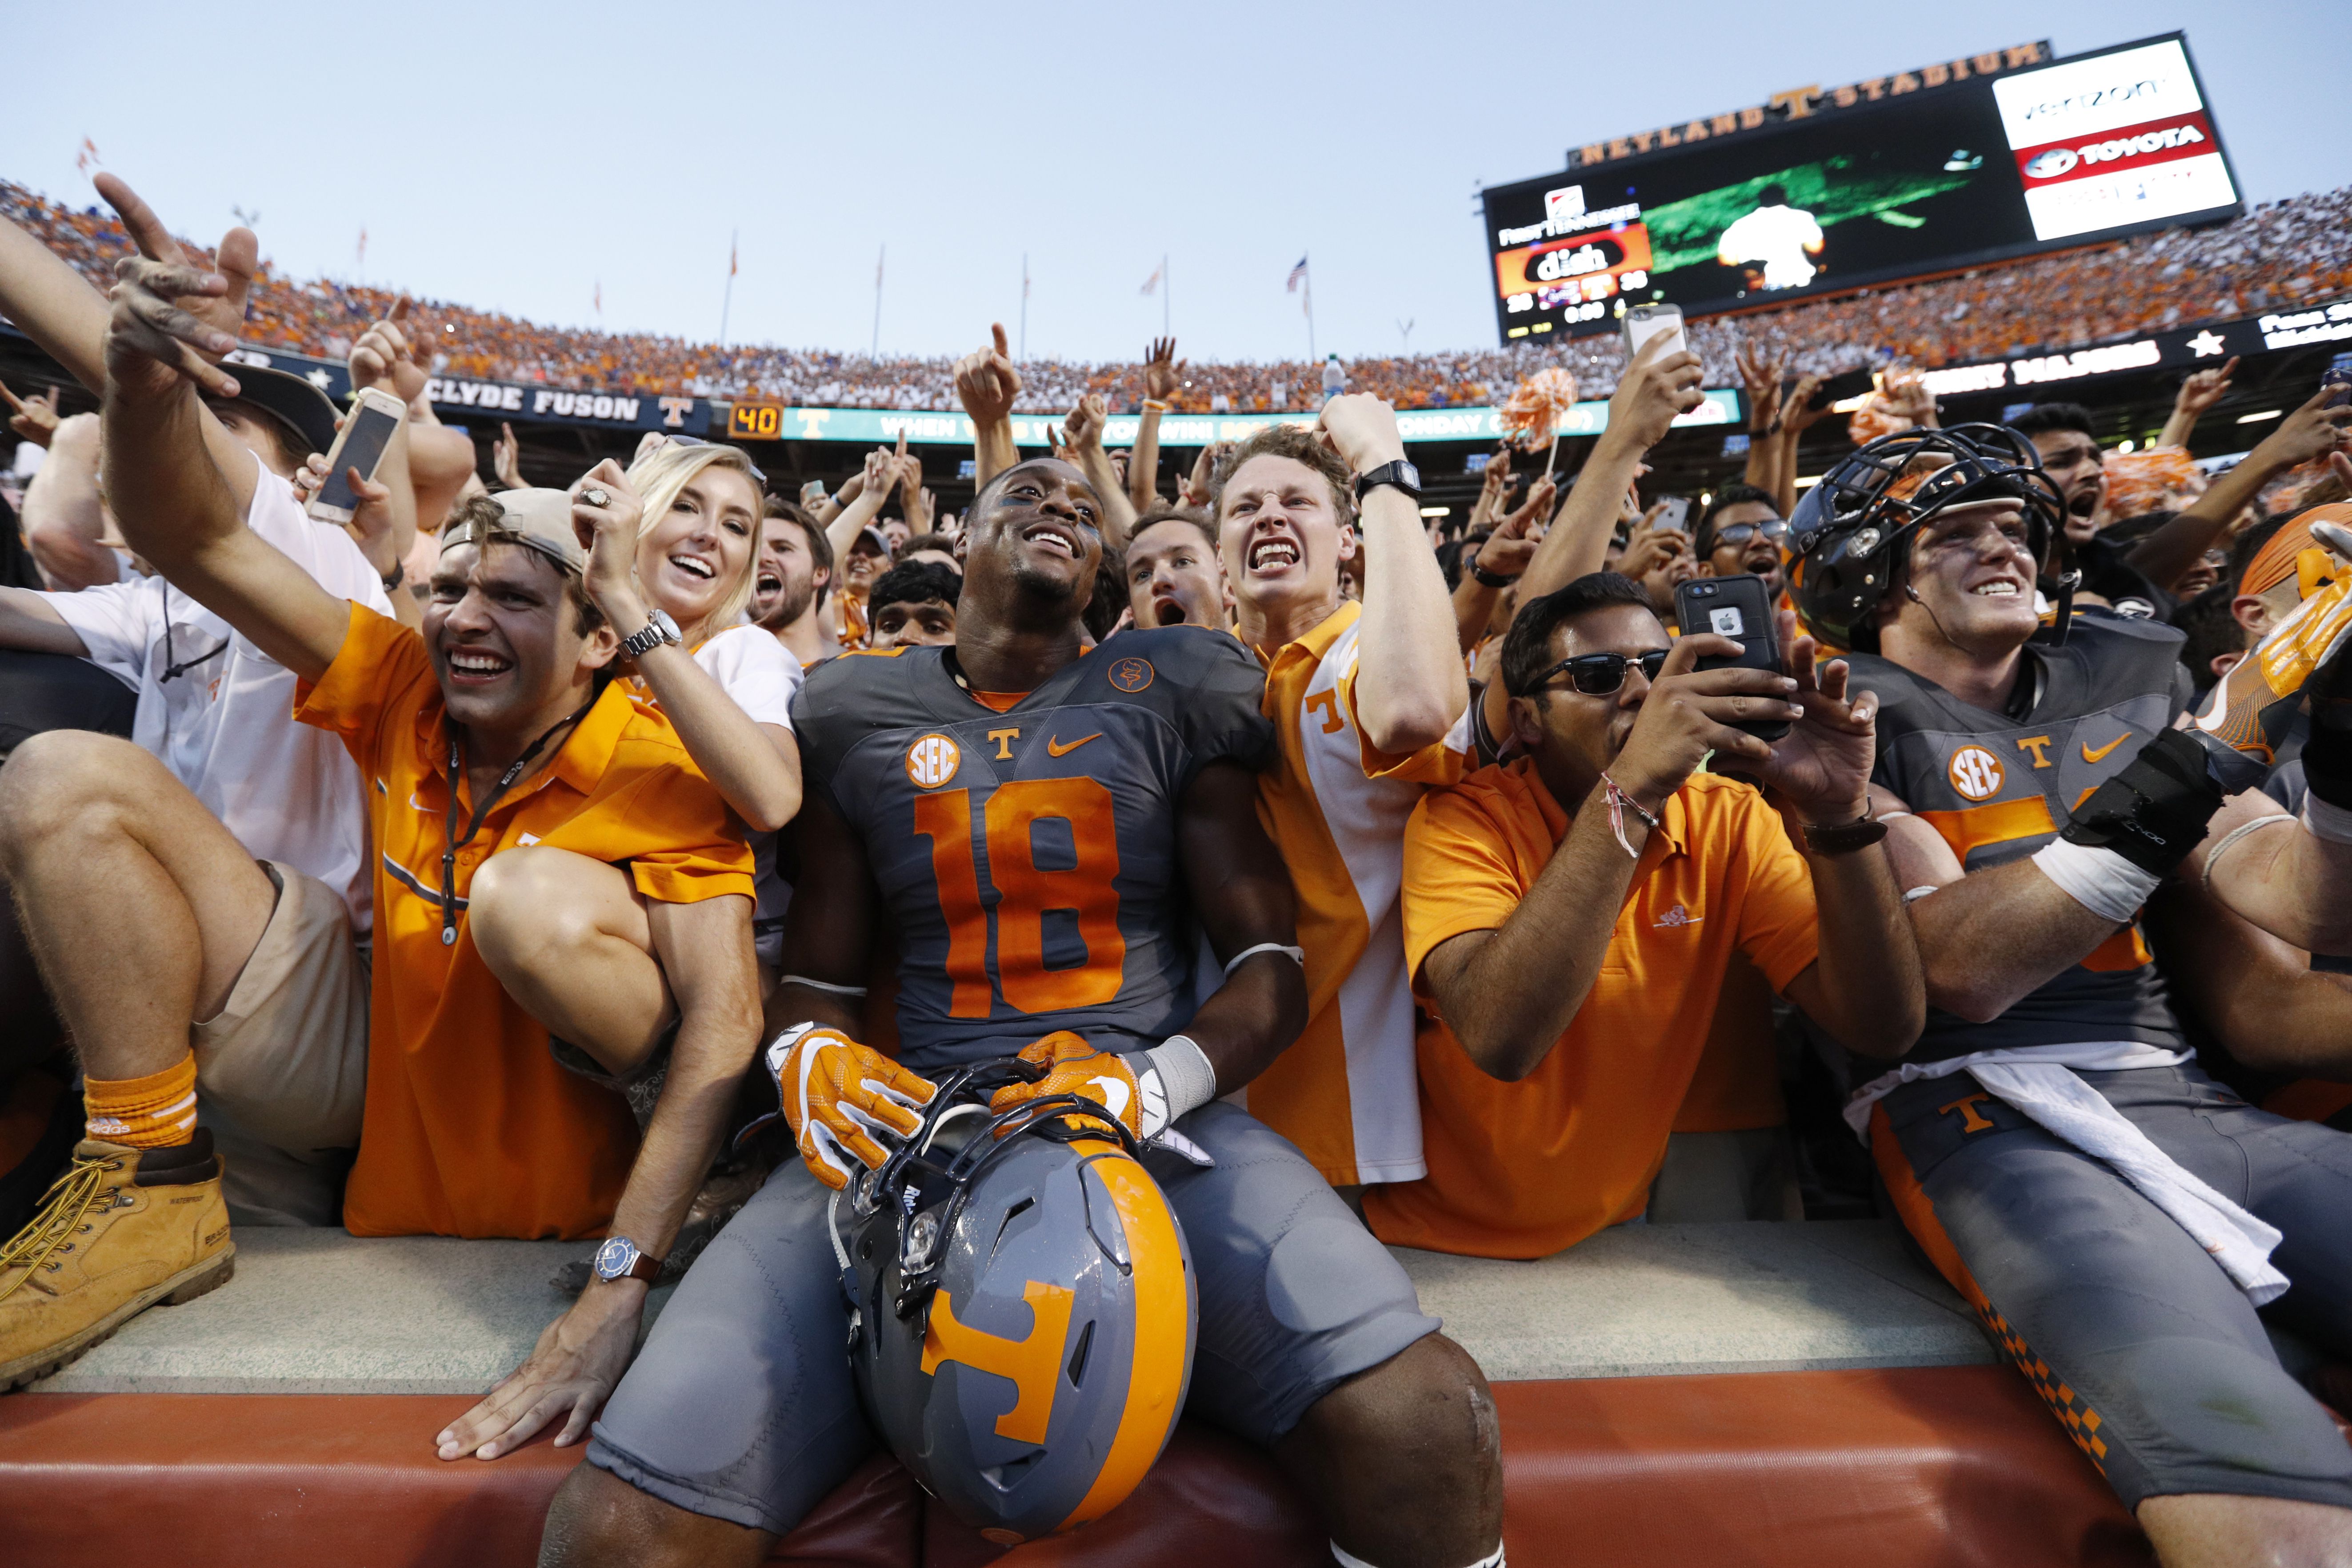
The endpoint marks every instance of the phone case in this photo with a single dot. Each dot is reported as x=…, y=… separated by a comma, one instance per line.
x=1739, y=608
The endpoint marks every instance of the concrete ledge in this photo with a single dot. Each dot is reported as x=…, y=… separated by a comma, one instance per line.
x=320, y=1311
x=1649, y=1301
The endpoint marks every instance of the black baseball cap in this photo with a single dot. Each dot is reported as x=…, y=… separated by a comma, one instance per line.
x=307, y=413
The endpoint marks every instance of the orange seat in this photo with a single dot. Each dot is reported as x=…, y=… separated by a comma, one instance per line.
x=1951, y=1464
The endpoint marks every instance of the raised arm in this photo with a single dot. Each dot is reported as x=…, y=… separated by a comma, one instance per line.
x=2313, y=430
x=987, y=384
x=875, y=482
x=1656, y=389
x=1498, y=563
x=2198, y=392
x=1759, y=377
x=1410, y=684
x=176, y=506
x=1162, y=372
x=1082, y=445
x=65, y=522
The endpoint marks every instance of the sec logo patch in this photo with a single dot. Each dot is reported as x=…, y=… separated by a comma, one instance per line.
x=1975, y=773
x=1131, y=674
x=933, y=761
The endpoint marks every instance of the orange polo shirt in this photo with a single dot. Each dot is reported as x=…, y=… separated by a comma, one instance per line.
x=471, y=1128
x=1522, y=1170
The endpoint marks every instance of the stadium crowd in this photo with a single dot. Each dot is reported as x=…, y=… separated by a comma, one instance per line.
x=2280, y=254
x=602, y=862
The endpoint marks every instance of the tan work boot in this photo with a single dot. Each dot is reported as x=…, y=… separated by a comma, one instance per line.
x=122, y=1229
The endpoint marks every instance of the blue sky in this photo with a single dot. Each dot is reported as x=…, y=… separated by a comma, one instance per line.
x=520, y=157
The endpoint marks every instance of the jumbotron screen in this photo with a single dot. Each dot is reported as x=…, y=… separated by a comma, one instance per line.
x=1985, y=168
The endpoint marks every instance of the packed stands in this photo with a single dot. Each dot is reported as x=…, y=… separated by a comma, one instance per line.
x=2281, y=253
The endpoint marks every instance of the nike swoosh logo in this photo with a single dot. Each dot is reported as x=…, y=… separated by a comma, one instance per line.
x=2101, y=754
x=1059, y=750
x=1113, y=1096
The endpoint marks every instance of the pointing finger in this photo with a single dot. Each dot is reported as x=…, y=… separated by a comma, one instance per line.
x=1004, y=344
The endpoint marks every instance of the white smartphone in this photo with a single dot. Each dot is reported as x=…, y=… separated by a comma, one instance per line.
x=375, y=417
x=1678, y=514
x=1643, y=322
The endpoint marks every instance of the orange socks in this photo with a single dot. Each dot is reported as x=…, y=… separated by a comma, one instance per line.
x=152, y=1112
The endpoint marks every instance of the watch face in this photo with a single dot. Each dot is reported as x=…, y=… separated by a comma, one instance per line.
x=612, y=1259
x=1409, y=474
x=668, y=626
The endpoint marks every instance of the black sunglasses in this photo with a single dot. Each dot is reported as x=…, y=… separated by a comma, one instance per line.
x=1742, y=532
x=1598, y=674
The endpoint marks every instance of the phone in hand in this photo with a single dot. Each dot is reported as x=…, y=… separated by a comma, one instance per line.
x=2338, y=382
x=1676, y=515
x=1643, y=322
x=1739, y=608
x=375, y=417
x=1836, y=389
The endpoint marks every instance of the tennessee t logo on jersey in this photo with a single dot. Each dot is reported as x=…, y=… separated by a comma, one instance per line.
x=1975, y=773
x=933, y=761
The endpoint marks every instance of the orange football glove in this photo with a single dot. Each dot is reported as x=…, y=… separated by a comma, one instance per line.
x=1075, y=1067
x=837, y=1094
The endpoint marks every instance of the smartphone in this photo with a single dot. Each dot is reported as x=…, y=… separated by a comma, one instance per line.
x=375, y=417
x=1739, y=608
x=1643, y=322
x=1677, y=513
x=1836, y=389
x=2338, y=382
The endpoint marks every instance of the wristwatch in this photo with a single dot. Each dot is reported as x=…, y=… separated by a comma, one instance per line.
x=620, y=1258
x=1401, y=474
x=1491, y=579
x=660, y=629
x=1845, y=838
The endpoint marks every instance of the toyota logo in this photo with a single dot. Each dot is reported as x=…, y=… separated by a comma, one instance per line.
x=2050, y=164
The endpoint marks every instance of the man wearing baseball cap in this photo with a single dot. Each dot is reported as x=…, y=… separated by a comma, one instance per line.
x=496, y=728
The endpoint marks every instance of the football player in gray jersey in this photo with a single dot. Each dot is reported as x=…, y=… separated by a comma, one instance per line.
x=1037, y=827
x=2122, y=1224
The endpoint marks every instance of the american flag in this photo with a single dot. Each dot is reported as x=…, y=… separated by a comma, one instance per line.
x=1152, y=283
x=1298, y=273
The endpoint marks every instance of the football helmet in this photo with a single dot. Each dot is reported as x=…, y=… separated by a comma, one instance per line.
x=1851, y=537
x=1023, y=1307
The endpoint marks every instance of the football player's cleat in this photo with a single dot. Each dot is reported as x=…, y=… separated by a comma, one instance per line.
x=2251, y=708
x=840, y=1097
x=1023, y=1310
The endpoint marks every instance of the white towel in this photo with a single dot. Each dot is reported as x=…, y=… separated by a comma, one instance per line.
x=2074, y=1112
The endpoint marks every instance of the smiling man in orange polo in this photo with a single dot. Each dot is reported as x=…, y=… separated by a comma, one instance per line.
x=1569, y=915
x=498, y=728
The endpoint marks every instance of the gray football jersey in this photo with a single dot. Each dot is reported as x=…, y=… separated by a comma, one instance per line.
x=1028, y=858
x=1999, y=787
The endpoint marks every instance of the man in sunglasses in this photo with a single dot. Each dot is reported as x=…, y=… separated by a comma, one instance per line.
x=1742, y=531
x=1568, y=915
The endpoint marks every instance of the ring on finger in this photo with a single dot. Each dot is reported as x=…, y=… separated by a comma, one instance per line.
x=595, y=495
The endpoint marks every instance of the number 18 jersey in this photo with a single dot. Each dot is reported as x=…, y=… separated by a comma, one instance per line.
x=1028, y=857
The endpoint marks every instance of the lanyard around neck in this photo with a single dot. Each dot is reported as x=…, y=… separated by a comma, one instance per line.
x=449, y=822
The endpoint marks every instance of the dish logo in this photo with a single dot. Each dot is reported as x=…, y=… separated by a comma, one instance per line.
x=2049, y=166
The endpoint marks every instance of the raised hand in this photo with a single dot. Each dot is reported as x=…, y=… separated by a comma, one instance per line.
x=35, y=417
x=1649, y=547
x=239, y=257
x=1797, y=410
x=877, y=478
x=1658, y=387
x=1822, y=765
x=506, y=457
x=1204, y=469
x=1759, y=377
x=1163, y=372
x=1362, y=429
x=1084, y=427
x=1689, y=713
x=1507, y=550
x=986, y=383
x=2204, y=389
x=382, y=356
x=609, y=534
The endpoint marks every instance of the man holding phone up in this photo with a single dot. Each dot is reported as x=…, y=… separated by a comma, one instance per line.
x=1568, y=915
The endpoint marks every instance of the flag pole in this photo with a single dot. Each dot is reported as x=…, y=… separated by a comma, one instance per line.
x=1166, y=288
x=1024, y=307
x=727, y=301
x=1311, y=315
x=875, y=351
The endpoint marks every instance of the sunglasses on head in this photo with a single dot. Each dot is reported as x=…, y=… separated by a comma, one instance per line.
x=1742, y=532
x=1599, y=674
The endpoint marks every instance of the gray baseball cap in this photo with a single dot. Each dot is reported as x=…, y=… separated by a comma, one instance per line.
x=541, y=520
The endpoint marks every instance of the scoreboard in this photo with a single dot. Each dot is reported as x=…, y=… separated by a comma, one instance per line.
x=1894, y=178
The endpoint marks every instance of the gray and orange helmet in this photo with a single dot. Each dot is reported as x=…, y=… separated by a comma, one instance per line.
x=1022, y=1308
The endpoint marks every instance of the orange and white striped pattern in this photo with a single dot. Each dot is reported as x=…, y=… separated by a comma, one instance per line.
x=153, y=1113
x=1346, y=1093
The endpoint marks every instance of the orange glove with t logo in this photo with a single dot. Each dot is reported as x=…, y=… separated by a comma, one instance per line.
x=838, y=1094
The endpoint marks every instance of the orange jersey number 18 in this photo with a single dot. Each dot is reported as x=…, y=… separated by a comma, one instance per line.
x=1025, y=893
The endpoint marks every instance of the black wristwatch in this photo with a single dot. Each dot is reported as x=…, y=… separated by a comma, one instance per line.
x=1401, y=474
x=399, y=575
x=1491, y=579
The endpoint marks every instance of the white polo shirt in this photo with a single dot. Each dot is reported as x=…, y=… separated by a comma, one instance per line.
x=219, y=713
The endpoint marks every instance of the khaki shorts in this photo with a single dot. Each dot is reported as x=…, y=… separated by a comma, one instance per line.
x=281, y=1072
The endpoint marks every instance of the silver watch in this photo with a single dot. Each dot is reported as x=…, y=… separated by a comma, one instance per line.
x=656, y=631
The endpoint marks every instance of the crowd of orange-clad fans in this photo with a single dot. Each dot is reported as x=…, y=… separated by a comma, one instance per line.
x=2282, y=254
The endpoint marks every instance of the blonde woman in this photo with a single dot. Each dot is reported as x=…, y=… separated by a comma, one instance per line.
x=672, y=551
